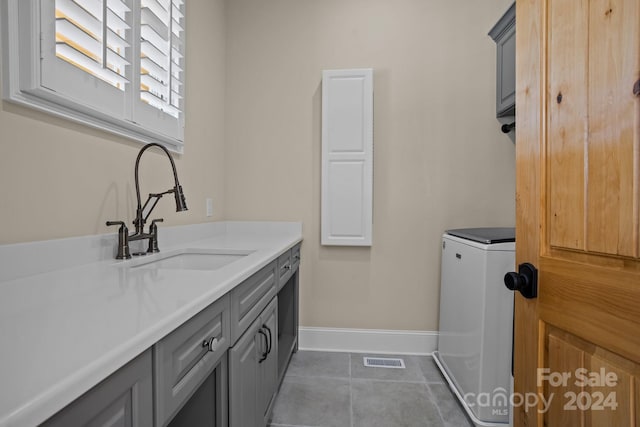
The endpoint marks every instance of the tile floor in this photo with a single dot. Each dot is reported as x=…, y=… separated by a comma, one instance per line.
x=323, y=389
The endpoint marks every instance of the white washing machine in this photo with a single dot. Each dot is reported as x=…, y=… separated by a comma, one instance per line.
x=476, y=321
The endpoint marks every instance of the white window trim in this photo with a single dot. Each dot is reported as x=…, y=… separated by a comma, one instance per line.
x=21, y=78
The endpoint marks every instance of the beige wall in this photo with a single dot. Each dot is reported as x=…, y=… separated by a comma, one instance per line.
x=440, y=159
x=59, y=179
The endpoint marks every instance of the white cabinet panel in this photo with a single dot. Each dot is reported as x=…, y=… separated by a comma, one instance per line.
x=347, y=157
x=346, y=179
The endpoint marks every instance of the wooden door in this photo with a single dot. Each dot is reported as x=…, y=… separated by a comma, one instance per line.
x=577, y=346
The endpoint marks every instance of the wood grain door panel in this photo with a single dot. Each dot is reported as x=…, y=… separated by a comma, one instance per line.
x=578, y=210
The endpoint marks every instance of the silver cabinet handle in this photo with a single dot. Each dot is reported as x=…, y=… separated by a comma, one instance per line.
x=210, y=344
x=286, y=267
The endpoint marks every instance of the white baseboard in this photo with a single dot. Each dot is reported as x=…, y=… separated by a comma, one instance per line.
x=367, y=340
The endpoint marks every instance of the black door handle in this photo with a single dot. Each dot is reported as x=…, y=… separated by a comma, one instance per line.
x=270, y=338
x=525, y=280
x=264, y=355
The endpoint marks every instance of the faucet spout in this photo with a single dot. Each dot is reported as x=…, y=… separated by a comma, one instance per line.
x=181, y=204
x=123, y=234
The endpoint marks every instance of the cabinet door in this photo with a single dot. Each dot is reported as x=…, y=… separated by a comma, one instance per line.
x=287, y=322
x=208, y=405
x=504, y=34
x=123, y=399
x=268, y=369
x=347, y=157
x=506, y=73
x=243, y=377
x=188, y=355
x=253, y=371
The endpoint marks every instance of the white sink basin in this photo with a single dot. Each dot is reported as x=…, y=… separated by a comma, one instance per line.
x=192, y=259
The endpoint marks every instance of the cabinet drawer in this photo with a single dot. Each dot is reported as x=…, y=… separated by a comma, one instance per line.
x=185, y=358
x=250, y=297
x=285, y=268
x=295, y=257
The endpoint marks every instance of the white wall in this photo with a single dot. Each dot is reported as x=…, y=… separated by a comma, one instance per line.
x=440, y=159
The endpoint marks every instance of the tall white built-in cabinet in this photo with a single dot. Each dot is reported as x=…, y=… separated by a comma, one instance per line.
x=347, y=157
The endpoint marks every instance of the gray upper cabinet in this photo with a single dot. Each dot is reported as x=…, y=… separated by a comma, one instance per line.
x=123, y=399
x=504, y=34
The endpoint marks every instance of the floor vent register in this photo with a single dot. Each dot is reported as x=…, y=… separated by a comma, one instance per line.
x=384, y=362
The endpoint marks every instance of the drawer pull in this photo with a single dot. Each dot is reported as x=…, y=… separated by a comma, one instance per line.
x=210, y=344
x=286, y=267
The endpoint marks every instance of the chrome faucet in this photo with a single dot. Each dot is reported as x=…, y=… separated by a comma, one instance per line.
x=123, y=233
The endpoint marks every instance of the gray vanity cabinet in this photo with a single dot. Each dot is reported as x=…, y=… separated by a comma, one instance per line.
x=123, y=399
x=253, y=371
x=504, y=34
x=220, y=368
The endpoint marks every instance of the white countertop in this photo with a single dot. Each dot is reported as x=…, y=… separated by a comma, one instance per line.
x=63, y=330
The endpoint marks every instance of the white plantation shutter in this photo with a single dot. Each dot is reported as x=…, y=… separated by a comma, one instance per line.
x=117, y=65
x=161, y=64
x=161, y=53
x=92, y=36
x=86, y=53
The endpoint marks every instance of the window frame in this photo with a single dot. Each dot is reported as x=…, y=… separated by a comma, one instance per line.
x=22, y=84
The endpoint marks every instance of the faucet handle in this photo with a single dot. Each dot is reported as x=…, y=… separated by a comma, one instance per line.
x=153, y=236
x=123, y=239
